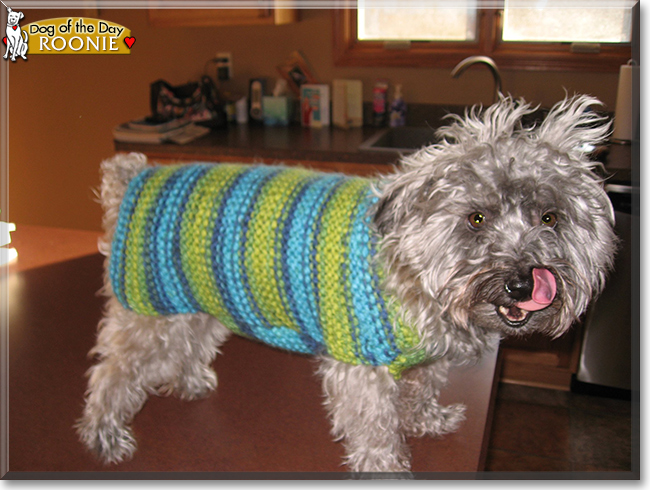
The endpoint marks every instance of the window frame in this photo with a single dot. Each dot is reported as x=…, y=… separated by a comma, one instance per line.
x=349, y=51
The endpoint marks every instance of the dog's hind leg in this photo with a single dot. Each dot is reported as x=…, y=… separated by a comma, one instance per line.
x=196, y=350
x=420, y=411
x=361, y=401
x=139, y=356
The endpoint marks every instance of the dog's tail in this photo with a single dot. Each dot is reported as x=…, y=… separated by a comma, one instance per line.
x=116, y=174
x=25, y=36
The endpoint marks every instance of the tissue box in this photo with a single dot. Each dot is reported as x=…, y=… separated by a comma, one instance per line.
x=276, y=110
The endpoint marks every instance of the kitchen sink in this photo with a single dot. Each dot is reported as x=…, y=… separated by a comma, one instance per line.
x=404, y=139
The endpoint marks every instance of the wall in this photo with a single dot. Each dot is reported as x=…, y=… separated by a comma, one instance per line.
x=62, y=108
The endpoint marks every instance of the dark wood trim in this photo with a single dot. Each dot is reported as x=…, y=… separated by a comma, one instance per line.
x=348, y=51
x=161, y=17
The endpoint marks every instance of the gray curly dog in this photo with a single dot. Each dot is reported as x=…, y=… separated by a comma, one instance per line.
x=499, y=229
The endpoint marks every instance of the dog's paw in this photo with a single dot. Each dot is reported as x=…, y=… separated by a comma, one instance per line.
x=382, y=469
x=400, y=475
x=451, y=417
x=191, y=386
x=110, y=442
x=436, y=420
x=374, y=462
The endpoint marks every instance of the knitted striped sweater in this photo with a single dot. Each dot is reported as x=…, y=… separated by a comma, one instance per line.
x=281, y=255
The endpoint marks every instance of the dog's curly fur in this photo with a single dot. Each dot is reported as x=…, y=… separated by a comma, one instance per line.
x=463, y=225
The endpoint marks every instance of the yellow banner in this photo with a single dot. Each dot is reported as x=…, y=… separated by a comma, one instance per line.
x=77, y=35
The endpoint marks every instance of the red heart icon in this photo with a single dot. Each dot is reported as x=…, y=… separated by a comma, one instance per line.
x=4, y=40
x=15, y=27
x=129, y=41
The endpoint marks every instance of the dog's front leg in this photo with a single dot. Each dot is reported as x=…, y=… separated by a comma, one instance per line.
x=14, y=48
x=420, y=411
x=22, y=47
x=361, y=401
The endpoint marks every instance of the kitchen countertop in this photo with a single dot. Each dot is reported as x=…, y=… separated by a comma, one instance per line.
x=294, y=143
x=274, y=143
x=38, y=246
x=266, y=415
x=248, y=143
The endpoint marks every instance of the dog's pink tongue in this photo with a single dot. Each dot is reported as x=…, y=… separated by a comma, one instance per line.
x=543, y=291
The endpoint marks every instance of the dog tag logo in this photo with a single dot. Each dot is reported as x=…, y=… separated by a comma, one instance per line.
x=78, y=35
x=64, y=35
x=15, y=40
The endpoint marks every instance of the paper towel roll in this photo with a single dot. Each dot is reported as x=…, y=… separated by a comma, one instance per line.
x=623, y=122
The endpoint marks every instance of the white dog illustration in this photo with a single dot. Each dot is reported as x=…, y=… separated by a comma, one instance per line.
x=16, y=37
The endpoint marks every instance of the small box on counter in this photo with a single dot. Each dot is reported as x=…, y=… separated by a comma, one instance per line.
x=347, y=103
x=315, y=105
x=277, y=110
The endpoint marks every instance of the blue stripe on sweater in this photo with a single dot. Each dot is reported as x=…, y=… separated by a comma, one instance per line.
x=155, y=278
x=300, y=257
x=348, y=278
x=117, y=267
x=228, y=261
x=168, y=257
x=184, y=290
x=259, y=326
x=260, y=322
x=387, y=328
x=375, y=345
x=224, y=252
x=280, y=240
x=292, y=266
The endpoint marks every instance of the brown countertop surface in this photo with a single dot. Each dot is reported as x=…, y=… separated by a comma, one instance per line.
x=265, y=421
x=248, y=143
x=273, y=143
x=43, y=245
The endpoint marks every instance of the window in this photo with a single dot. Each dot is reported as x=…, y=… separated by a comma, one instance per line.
x=560, y=36
x=419, y=24
x=555, y=23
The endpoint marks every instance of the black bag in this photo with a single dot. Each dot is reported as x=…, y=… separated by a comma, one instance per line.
x=196, y=101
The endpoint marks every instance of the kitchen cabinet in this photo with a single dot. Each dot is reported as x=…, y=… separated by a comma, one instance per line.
x=539, y=361
x=220, y=17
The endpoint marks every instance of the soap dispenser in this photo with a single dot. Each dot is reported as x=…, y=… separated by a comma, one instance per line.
x=398, y=108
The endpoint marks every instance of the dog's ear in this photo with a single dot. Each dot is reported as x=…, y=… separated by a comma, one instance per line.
x=573, y=127
x=22, y=16
x=394, y=205
x=387, y=214
x=399, y=200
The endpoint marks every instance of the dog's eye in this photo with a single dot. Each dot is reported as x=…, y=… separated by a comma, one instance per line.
x=549, y=219
x=476, y=220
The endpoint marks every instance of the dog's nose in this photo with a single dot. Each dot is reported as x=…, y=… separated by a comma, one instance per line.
x=520, y=287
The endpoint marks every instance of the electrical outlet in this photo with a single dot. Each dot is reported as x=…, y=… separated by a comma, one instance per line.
x=224, y=66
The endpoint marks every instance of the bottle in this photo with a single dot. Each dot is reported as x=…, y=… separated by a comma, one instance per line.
x=398, y=108
x=241, y=110
x=379, y=105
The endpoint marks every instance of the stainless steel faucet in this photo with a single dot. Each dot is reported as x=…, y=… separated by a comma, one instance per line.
x=472, y=60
